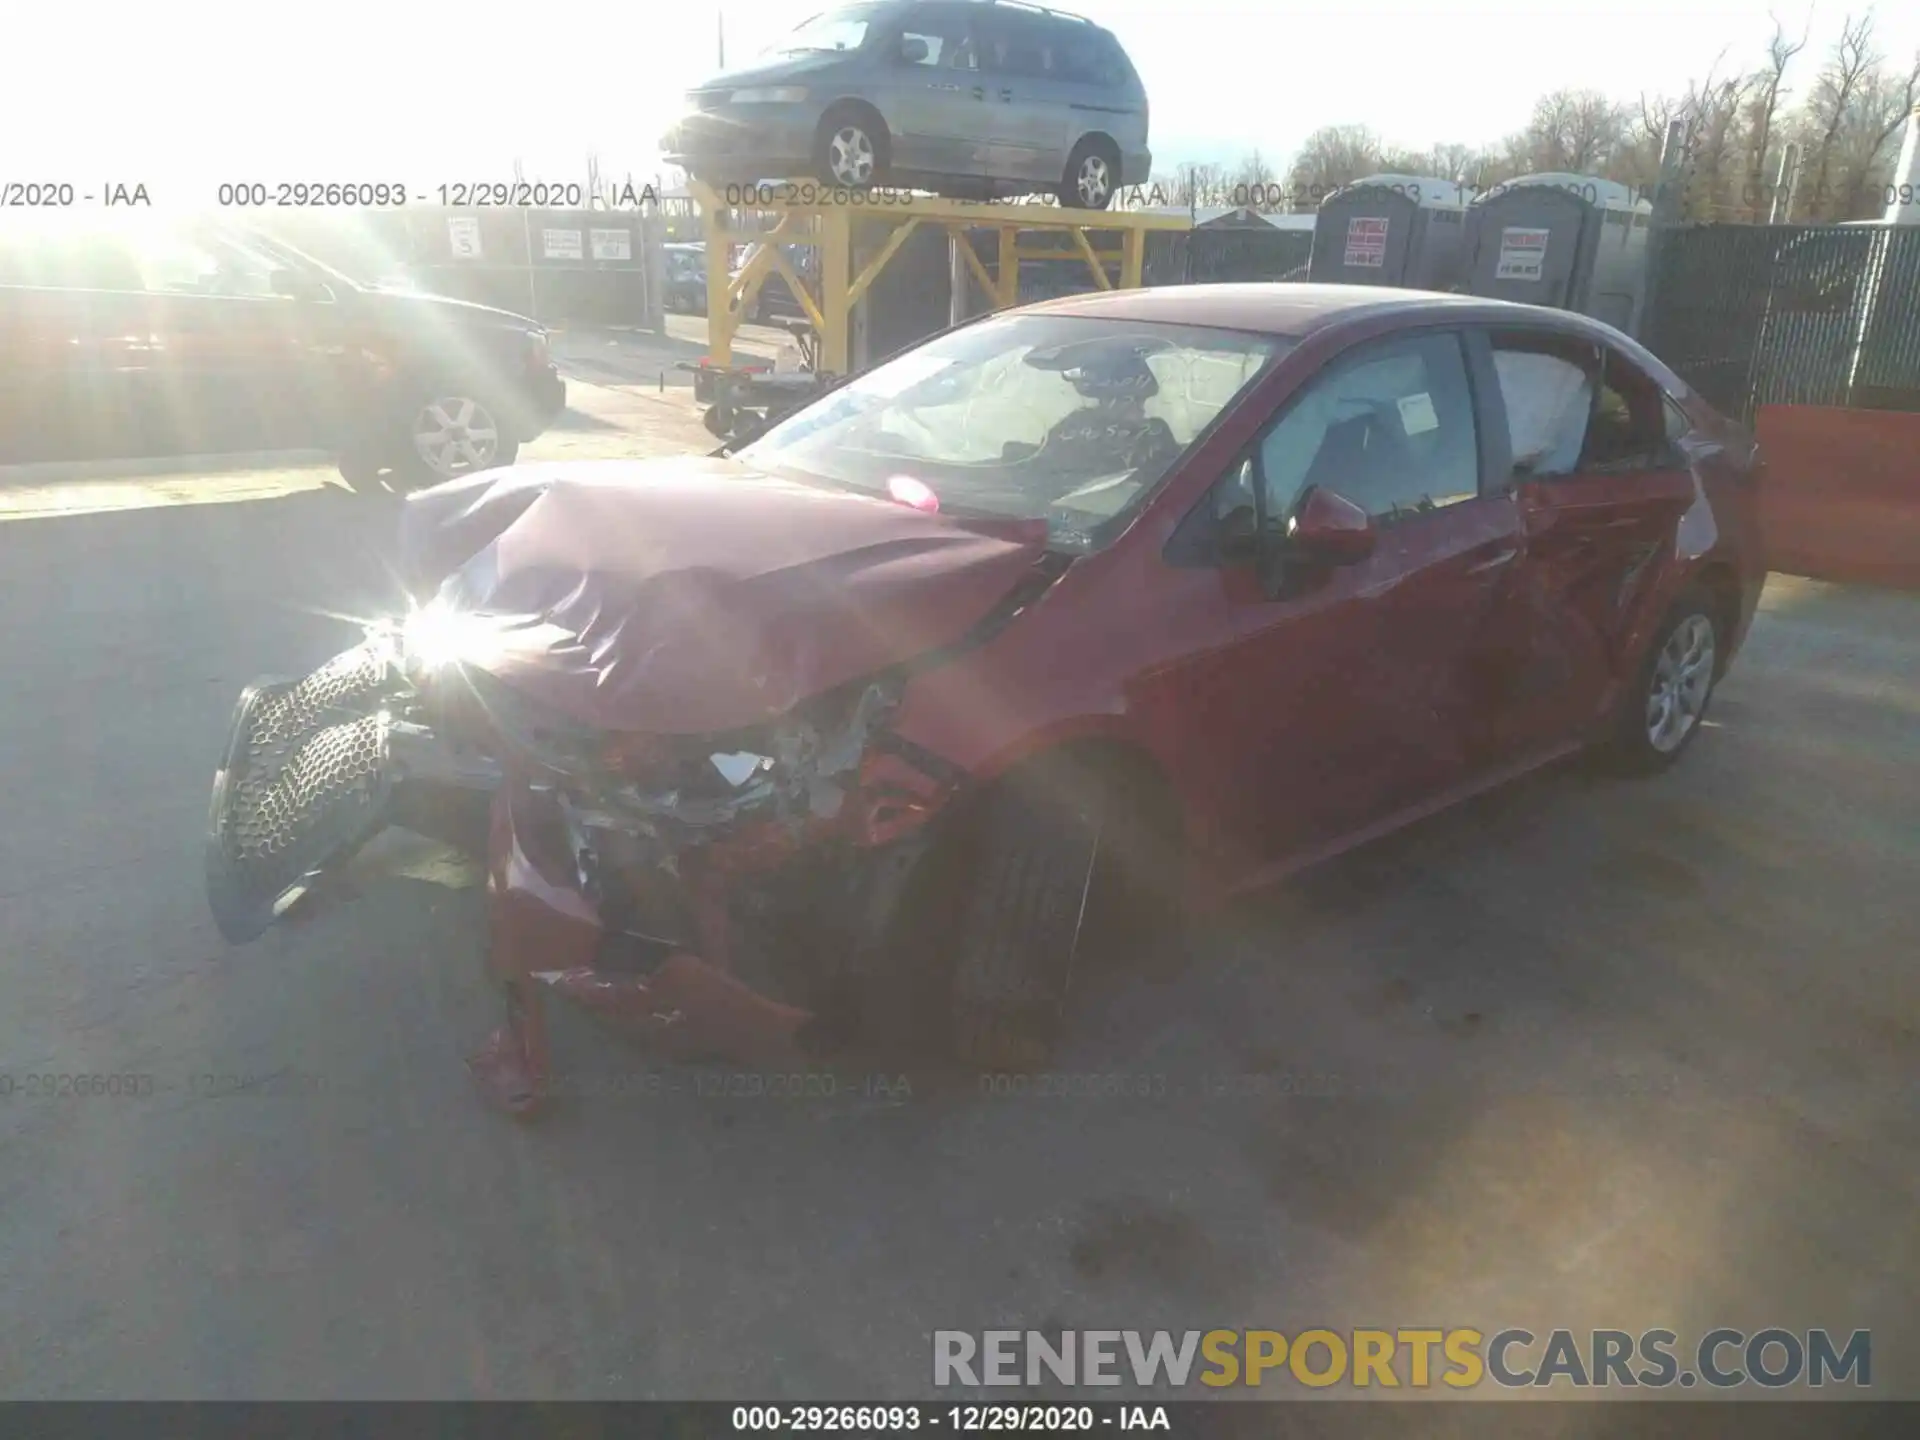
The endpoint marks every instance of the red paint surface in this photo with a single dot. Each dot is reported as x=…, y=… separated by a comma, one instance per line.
x=1841, y=499
x=1469, y=644
x=697, y=596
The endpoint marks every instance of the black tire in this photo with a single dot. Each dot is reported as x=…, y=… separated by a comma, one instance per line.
x=1054, y=881
x=1078, y=188
x=835, y=125
x=360, y=468
x=1636, y=745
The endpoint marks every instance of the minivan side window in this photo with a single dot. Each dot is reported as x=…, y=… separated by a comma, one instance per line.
x=1087, y=58
x=1014, y=45
x=939, y=42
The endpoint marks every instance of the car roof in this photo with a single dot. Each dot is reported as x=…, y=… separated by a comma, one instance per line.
x=1294, y=311
x=1290, y=309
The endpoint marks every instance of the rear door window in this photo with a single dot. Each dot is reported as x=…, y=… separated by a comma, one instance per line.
x=1629, y=427
x=1547, y=384
x=937, y=39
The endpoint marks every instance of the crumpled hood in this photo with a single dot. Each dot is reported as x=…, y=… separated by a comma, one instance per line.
x=696, y=595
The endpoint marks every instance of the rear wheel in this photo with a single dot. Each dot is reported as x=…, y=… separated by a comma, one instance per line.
x=1092, y=175
x=441, y=436
x=1663, y=712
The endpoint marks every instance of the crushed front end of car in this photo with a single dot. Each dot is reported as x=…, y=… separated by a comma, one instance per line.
x=700, y=818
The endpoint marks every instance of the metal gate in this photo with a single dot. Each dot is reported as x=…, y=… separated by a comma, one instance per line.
x=1211, y=256
x=1791, y=315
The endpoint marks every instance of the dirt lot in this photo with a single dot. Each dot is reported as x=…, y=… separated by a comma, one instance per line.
x=1587, y=1054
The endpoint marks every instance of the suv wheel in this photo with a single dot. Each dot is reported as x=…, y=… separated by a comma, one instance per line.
x=452, y=435
x=1093, y=172
x=1662, y=713
x=851, y=149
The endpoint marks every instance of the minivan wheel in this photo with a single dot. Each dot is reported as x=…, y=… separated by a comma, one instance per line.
x=851, y=149
x=1093, y=172
x=1663, y=712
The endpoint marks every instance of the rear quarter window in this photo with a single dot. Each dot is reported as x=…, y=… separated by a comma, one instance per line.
x=1092, y=57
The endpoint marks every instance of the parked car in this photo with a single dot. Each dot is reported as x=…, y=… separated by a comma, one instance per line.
x=686, y=270
x=962, y=677
x=153, y=340
x=964, y=97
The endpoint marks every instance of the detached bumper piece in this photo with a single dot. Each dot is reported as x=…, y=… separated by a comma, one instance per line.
x=307, y=779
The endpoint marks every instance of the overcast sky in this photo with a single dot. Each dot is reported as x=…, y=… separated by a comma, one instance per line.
x=187, y=93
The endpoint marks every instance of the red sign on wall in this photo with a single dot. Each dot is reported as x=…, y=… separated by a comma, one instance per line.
x=1367, y=241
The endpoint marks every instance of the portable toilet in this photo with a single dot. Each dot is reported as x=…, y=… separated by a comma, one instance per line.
x=1572, y=242
x=1406, y=230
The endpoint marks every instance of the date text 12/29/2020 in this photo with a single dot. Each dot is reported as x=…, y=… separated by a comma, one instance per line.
x=957, y=1419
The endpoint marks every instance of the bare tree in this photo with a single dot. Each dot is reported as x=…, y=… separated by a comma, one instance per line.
x=1716, y=148
x=596, y=199
x=1577, y=130
x=1332, y=156
x=1763, y=105
x=1833, y=104
x=1255, y=176
x=1199, y=183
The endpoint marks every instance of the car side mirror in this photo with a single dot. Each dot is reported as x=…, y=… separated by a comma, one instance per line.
x=913, y=50
x=1330, y=529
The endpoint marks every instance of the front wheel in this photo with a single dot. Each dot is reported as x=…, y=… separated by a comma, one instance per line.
x=1667, y=705
x=1064, y=872
x=850, y=150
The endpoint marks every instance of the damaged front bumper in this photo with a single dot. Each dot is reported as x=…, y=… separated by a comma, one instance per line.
x=730, y=896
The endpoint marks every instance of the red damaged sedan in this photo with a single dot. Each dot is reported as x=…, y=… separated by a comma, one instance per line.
x=969, y=672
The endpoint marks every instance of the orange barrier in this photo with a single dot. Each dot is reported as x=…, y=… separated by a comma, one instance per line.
x=1841, y=499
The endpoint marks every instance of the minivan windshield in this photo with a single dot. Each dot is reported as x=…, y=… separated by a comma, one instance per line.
x=1072, y=419
x=834, y=30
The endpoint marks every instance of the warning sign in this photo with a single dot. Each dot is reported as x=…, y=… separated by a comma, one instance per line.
x=1367, y=241
x=561, y=244
x=612, y=244
x=1523, y=254
x=463, y=237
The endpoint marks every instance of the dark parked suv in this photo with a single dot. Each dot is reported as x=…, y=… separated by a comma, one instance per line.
x=966, y=97
x=170, y=340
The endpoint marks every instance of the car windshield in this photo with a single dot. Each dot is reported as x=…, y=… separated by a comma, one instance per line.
x=835, y=30
x=1070, y=419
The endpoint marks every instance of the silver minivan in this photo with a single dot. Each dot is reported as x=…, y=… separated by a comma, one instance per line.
x=968, y=98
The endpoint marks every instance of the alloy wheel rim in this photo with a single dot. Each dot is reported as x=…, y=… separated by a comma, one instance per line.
x=851, y=156
x=455, y=434
x=1095, y=181
x=1682, y=679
